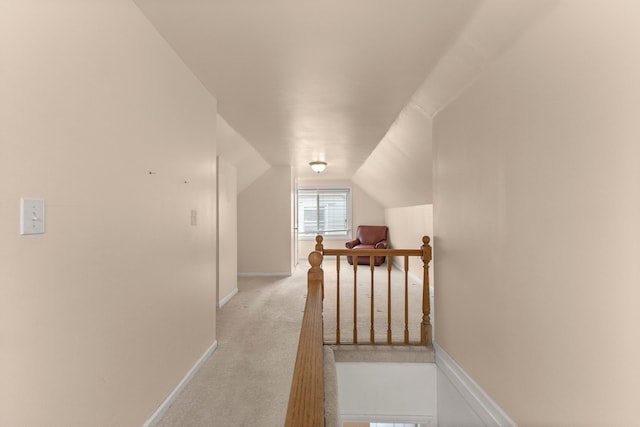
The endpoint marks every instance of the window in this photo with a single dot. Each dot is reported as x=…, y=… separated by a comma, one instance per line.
x=325, y=211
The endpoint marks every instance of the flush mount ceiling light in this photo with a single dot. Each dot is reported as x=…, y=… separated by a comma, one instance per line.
x=318, y=166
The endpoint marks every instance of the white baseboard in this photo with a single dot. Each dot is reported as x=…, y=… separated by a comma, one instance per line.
x=422, y=420
x=481, y=403
x=176, y=391
x=258, y=274
x=226, y=299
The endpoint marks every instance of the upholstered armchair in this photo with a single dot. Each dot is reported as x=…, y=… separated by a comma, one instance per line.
x=369, y=237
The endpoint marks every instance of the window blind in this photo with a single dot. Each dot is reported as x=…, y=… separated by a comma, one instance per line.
x=325, y=211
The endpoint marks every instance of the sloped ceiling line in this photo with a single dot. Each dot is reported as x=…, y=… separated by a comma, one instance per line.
x=235, y=150
x=489, y=33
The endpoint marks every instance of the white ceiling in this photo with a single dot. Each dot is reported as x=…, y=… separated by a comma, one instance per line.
x=311, y=80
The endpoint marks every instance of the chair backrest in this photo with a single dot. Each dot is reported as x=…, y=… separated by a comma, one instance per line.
x=371, y=234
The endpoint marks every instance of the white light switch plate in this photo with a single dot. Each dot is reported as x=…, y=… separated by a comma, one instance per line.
x=31, y=216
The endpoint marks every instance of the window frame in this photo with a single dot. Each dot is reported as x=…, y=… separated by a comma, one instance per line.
x=327, y=190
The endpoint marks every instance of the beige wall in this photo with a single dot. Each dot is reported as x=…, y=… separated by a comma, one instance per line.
x=365, y=210
x=103, y=315
x=227, y=230
x=236, y=151
x=265, y=224
x=537, y=200
x=402, y=160
x=407, y=225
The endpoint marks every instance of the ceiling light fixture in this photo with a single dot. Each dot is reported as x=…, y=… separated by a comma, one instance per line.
x=318, y=166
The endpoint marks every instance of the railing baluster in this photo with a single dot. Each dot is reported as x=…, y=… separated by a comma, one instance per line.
x=389, y=267
x=355, y=301
x=372, y=332
x=406, y=299
x=338, y=300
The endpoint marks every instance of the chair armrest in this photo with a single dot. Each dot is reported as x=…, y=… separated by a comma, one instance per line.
x=382, y=244
x=352, y=243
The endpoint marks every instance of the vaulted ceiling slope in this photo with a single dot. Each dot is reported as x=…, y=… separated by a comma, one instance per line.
x=311, y=80
x=399, y=170
x=355, y=83
x=239, y=153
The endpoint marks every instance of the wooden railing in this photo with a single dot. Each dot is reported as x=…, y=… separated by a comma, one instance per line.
x=306, y=399
x=425, y=325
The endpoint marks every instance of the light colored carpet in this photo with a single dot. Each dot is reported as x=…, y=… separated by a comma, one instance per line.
x=247, y=380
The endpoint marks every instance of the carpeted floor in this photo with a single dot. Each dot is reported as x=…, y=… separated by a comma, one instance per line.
x=247, y=380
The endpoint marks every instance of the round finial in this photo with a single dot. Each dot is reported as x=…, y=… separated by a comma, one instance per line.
x=315, y=259
x=318, y=239
x=426, y=240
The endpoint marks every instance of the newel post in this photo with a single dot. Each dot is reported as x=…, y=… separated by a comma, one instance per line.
x=320, y=249
x=315, y=275
x=425, y=326
x=319, y=246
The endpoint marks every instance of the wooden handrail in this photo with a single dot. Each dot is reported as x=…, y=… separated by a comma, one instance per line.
x=306, y=399
x=372, y=252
